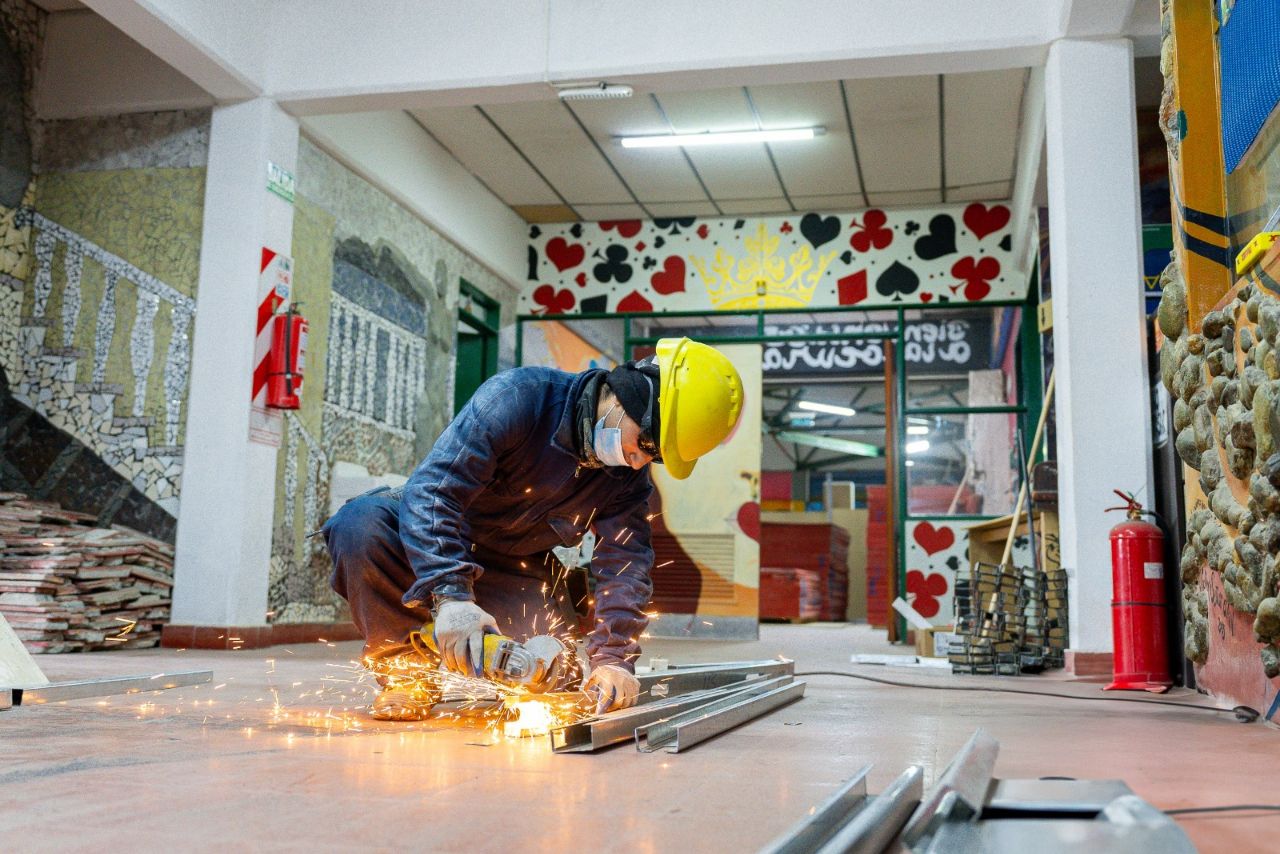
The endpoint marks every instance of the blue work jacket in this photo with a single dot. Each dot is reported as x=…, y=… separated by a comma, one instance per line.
x=505, y=477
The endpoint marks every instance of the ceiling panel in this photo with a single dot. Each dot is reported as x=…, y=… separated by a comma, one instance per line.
x=730, y=171
x=552, y=140
x=820, y=166
x=905, y=198
x=654, y=174
x=755, y=206
x=593, y=213
x=472, y=140
x=981, y=192
x=829, y=203
x=895, y=122
x=546, y=213
x=980, y=130
x=668, y=209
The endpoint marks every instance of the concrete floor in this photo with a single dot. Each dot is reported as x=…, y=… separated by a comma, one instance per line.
x=221, y=767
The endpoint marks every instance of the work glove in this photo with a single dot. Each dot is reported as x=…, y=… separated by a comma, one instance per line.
x=612, y=687
x=460, y=630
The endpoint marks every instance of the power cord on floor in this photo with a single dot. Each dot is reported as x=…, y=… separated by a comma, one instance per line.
x=1243, y=714
x=1229, y=808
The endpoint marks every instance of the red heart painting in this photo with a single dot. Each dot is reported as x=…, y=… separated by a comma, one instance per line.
x=703, y=231
x=634, y=302
x=852, y=289
x=749, y=519
x=581, y=279
x=627, y=228
x=976, y=275
x=563, y=254
x=933, y=540
x=983, y=220
x=670, y=279
x=555, y=302
x=925, y=591
x=926, y=297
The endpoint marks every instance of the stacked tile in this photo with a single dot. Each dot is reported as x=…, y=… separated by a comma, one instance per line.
x=67, y=586
x=823, y=549
x=878, y=556
x=790, y=594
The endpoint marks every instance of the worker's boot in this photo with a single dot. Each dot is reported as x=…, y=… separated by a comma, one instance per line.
x=402, y=703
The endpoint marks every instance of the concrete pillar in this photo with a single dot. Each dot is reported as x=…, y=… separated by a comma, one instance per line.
x=229, y=482
x=1095, y=250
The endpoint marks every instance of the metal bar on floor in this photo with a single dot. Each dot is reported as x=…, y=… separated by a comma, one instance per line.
x=682, y=680
x=615, y=727
x=79, y=689
x=960, y=792
x=874, y=828
x=684, y=730
x=827, y=818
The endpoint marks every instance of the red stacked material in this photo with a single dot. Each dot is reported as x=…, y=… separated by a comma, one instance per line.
x=790, y=594
x=821, y=548
x=67, y=586
x=878, y=555
x=942, y=500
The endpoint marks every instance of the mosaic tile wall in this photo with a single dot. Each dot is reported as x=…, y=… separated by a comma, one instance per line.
x=380, y=289
x=98, y=275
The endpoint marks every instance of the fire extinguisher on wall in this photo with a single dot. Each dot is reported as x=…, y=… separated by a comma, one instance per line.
x=287, y=361
x=1138, y=602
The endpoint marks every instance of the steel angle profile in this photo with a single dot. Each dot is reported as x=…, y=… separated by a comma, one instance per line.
x=960, y=792
x=55, y=692
x=699, y=677
x=684, y=730
x=608, y=729
x=850, y=821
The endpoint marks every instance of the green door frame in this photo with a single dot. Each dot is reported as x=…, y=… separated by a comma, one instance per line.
x=480, y=312
x=1026, y=363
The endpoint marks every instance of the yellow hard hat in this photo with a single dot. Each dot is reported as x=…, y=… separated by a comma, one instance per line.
x=699, y=402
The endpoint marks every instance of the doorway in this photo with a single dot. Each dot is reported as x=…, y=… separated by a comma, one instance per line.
x=477, y=350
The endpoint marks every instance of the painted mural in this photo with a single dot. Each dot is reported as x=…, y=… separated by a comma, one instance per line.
x=380, y=290
x=99, y=257
x=872, y=258
x=938, y=549
x=706, y=529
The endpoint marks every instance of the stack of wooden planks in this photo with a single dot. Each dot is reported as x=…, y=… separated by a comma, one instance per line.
x=68, y=586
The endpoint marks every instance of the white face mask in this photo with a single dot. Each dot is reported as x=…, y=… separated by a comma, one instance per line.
x=607, y=442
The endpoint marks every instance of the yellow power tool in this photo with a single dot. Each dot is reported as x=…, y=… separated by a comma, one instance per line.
x=533, y=665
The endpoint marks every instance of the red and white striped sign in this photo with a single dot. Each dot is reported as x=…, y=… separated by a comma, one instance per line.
x=275, y=279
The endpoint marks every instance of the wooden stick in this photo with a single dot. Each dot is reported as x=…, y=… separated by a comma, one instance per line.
x=1026, y=475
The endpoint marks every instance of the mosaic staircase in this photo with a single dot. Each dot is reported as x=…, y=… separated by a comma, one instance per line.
x=51, y=380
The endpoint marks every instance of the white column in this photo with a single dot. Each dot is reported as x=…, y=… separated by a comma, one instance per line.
x=1095, y=248
x=228, y=482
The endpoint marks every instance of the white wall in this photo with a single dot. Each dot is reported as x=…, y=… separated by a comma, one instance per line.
x=393, y=152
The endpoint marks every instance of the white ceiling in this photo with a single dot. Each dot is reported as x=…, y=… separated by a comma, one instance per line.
x=888, y=141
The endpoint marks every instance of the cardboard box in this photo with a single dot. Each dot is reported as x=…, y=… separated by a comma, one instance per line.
x=934, y=642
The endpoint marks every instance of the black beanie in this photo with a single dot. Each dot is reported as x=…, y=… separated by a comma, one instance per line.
x=636, y=386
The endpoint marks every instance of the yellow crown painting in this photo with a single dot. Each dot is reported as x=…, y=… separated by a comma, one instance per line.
x=761, y=279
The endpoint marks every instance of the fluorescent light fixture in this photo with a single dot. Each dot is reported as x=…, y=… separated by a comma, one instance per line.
x=917, y=430
x=910, y=463
x=595, y=92
x=919, y=446
x=826, y=407
x=718, y=138
x=915, y=419
x=830, y=443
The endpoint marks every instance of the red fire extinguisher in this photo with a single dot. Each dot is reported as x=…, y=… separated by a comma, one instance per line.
x=1138, y=602
x=287, y=360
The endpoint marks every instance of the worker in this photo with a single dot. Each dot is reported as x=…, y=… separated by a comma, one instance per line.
x=534, y=460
